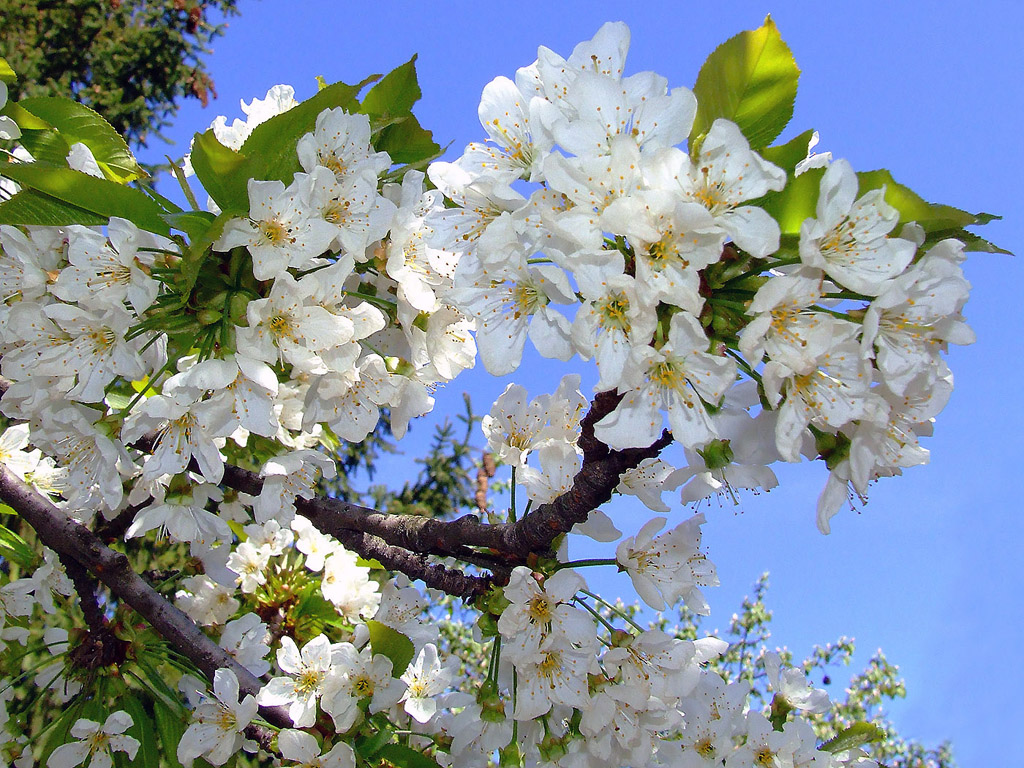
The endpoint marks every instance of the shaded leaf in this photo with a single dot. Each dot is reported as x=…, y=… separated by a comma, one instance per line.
x=408, y=142
x=406, y=757
x=170, y=725
x=143, y=730
x=391, y=643
x=798, y=201
x=16, y=549
x=750, y=79
x=78, y=123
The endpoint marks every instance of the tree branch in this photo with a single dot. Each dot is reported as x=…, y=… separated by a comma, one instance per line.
x=72, y=540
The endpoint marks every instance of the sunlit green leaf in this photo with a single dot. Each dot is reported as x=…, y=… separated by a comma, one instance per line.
x=6, y=73
x=750, y=79
x=391, y=643
x=223, y=172
x=100, y=196
x=170, y=725
x=787, y=156
x=32, y=208
x=795, y=203
x=271, y=146
x=78, y=123
x=395, y=93
x=25, y=119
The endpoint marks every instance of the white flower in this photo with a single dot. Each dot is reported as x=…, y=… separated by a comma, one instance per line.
x=426, y=678
x=303, y=749
x=309, y=673
x=246, y=638
x=679, y=378
x=217, y=727
x=791, y=684
x=96, y=743
x=537, y=613
x=279, y=232
x=349, y=587
x=105, y=271
x=725, y=174
x=205, y=601
x=250, y=563
x=362, y=677
x=849, y=238
x=669, y=567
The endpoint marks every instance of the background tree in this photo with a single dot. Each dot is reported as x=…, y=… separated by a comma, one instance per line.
x=131, y=61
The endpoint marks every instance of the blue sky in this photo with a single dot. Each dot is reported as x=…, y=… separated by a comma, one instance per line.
x=930, y=571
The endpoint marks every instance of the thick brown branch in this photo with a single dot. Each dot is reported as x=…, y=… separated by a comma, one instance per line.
x=71, y=540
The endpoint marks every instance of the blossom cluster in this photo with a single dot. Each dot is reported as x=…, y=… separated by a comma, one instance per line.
x=648, y=250
x=582, y=224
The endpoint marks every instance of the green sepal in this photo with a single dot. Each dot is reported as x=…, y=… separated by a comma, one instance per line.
x=197, y=253
x=368, y=746
x=270, y=148
x=405, y=757
x=223, y=172
x=750, y=79
x=391, y=643
x=77, y=123
x=857, y=735
x=98, y=196
x=16, y=549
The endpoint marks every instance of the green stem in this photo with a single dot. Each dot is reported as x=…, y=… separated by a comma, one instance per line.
x=726, y=303
x=586, y=563
x=617, y=611
x=589, y=609
x=512, y=499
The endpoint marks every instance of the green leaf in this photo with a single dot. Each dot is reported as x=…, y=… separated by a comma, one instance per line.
x=939, y=221
x=798, y=201
x=6, y=73
x=198, y=251
x=46, y=146
x=100, y=196
x=25, y=119
x=142, y=729
x=391, y=643
x=406, y=757
x=787, y=156
x=195, y=224
x=271, y=146
x=78, y=123
x=408, y=142
x=395, y=93
x=16, y=549
x=32, y=208
x=857, y=735
x=170, y=725
x=750, y=79
x=223, y=172
x=912, y=207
